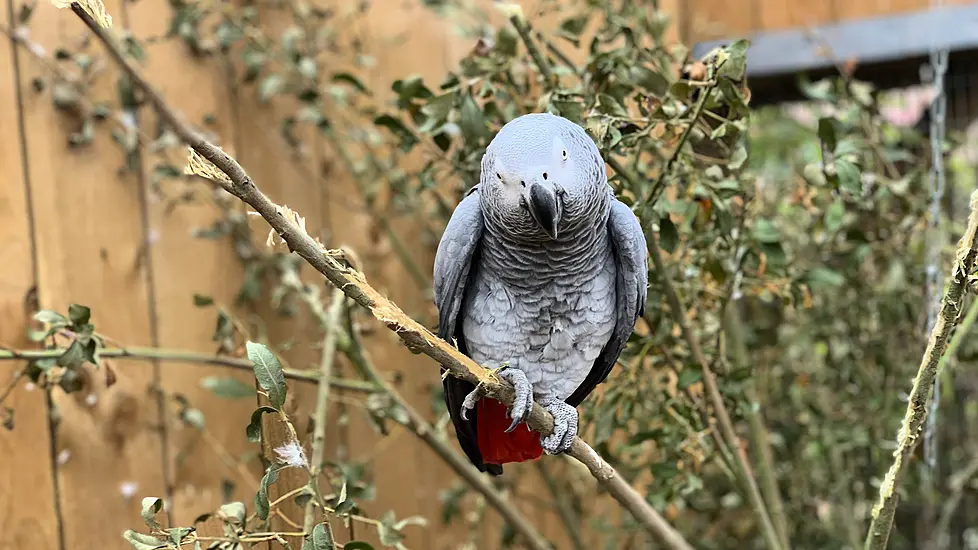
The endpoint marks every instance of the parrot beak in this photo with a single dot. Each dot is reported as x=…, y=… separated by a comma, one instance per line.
x=545, y=207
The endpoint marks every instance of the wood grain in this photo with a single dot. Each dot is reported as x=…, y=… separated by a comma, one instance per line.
x=185, y=265
x=28, y=517
x=89, y=237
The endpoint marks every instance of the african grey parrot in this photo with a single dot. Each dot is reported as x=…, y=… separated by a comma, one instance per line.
x=540, y=270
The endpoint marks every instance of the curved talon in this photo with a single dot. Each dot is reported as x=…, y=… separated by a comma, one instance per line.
x=471, y=399
x=523, y=401
x=565, y=427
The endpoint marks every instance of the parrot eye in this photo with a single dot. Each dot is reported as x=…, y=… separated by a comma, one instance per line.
x=545, y=176
x=563, y=154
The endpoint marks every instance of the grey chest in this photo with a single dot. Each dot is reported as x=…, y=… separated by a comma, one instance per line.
x=546, y=317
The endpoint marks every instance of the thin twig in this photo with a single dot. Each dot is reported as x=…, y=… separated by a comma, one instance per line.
x=572, y=523
x=758, y=431
x=157, y=354
x=415, y=422
x=354, y=284
x=709, y=378
x=659, y=184
x=523, y=28
x=920, y=393
x=331, y=327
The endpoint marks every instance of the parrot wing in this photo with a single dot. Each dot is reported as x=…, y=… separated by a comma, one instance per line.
x=457, y=252
x=630, y=252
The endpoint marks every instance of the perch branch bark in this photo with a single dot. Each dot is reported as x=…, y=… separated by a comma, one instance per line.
x=923, y=383
x=414, y=335
x=423, y=430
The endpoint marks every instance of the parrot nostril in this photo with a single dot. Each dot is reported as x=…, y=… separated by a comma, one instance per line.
x=523, y=183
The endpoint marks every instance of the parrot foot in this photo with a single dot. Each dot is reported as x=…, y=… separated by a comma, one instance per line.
x=565, y=426
x=523, y=401
x=471, y=399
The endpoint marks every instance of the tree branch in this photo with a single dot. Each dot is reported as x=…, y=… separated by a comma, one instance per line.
x=920, y=393
x=354, y=285
x=572, y=523
x=758, y=430
x=322, y=399
x=523, y=28
x=726, y=425
x=157, y=354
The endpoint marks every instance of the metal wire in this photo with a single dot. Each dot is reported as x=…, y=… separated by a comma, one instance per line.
x=934, y=239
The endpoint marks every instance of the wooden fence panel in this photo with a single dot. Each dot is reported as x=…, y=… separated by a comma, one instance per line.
x=27, y=507
x=89, y=235
x=184, y=265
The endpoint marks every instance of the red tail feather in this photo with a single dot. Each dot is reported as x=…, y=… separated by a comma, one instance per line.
x=499, y=447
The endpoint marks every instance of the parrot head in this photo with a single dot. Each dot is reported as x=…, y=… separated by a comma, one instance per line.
x=541, y=174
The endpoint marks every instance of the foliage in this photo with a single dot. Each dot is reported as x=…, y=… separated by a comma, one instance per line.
x=812, y=245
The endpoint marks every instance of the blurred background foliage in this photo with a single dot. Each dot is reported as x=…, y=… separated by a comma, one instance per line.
x=795, y=235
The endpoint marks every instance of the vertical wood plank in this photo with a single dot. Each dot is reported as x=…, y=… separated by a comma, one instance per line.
x=27, y=510
x=716, y=19
x=89, y=239
x=781, y=14
x=185, y=265
x=288, y=177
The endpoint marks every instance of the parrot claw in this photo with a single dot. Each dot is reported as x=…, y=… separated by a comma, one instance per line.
x=523, y=401
x=565, y=426
x=471, y=399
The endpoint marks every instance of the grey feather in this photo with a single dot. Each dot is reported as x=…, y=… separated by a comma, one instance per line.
x=631, y=290
x=457, y=251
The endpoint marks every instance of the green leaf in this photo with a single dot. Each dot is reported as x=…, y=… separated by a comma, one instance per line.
x=253, y=431
x=689, y=376
x=269, y=373
x=261, y=498
x=226, y=387
x=358, y=545
x=150, y=507
x=407, y=138
x=668, y=234
x=77, y=353
x=652, y=81
x=736, y=65
x=849, y=176
x=437, y=111
x=738, y=157
x=471, y=119
x=766, y=232
x=834, y=215
x=320, y=539
x=50, y=317
x=139, y=541
x=177, y=534
x=571, y=28
x=827, y=133
x=821, y=276
x=351, y=80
